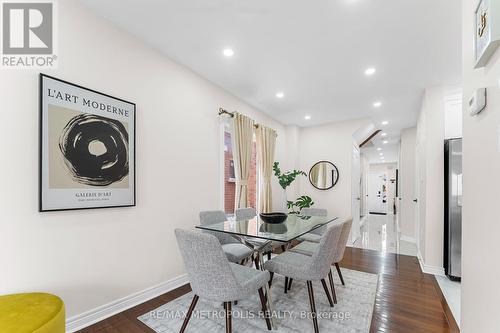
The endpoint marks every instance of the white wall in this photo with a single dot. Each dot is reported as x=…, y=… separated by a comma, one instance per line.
x=332, y=142
x=438, y=120
x=292, y=158
x=453, y=115
x=93, y=257
x=407, y=183
x=481, y=165
x=430, y=140
x=420, y=184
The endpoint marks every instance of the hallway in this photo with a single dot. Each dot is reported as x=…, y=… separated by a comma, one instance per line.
x=379, y=233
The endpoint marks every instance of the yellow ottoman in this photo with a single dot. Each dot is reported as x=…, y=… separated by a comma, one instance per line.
x=33, y=312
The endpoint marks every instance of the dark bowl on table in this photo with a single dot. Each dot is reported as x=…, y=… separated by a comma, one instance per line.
x=273, y=218
x=274, y=228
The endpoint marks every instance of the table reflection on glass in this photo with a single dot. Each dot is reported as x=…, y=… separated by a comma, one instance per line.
x=293, y=227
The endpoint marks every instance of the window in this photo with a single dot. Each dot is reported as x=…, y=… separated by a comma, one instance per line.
x=229, y=175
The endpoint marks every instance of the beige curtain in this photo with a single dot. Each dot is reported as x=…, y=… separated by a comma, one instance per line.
x=266, y=144
x=323, y=174
x=315, y=175
x=242, y=153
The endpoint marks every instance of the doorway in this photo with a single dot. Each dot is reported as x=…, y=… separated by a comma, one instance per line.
x=382, y=184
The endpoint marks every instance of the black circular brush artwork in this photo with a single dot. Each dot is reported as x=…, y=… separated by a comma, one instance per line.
x=100, y=167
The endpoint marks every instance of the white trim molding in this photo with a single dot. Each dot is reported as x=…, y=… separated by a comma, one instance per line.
x=363, y=220
x=93, y=316
x=429, y=269
x=408, y=239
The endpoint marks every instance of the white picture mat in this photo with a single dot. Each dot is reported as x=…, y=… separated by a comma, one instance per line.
x=58, y=199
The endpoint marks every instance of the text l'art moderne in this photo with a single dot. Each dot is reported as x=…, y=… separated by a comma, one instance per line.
x=86, y=102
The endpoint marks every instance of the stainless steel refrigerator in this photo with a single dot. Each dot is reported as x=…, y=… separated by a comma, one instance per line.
x=453, y=208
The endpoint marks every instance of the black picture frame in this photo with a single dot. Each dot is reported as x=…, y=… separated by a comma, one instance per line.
x=335, y=180
x=41, y=151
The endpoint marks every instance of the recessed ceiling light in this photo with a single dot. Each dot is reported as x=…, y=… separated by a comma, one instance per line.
x=385, y=142
x=384, y=134
x=280, y=94
x=377, y=104
x=307, y=117
x=228, y=52
x=381, y=154
x=370, y=71
x=379, y=148
x=385, y=122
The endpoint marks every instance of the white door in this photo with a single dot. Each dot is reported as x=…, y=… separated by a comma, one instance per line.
x=364, y=186
x=419, y=200
x=408, y=183
x=377, y=192
x=391, y=189
x=355, y=193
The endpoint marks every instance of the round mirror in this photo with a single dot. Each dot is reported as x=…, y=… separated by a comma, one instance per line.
x=324, y=175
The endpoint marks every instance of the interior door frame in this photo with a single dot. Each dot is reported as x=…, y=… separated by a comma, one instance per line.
x=417, y=195
x=355, y=181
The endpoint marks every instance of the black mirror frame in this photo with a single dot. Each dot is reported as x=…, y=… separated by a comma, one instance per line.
x=335, y=181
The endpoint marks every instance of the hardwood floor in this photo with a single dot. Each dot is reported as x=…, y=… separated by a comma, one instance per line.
x=407, y=300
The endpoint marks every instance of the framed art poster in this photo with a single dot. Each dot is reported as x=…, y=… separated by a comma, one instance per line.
x=487, y=35
x=87, y=148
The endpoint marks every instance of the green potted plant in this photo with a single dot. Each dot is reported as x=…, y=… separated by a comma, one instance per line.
x=286, y=179
x=303, y=201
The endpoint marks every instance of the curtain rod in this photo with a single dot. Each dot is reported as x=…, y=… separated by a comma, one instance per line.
x=222, y=111
x=231, y=114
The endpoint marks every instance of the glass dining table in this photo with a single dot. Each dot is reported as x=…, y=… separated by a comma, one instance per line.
x=260, y=236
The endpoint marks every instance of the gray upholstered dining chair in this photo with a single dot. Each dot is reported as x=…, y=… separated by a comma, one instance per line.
x=249, y=213
x=214, y=278
x=309, y=268
x=314, y=212
x=339, y=253
x=308, y=248
x=314, y=235
x=235, y=251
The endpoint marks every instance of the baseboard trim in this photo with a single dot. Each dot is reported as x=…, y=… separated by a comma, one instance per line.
x=429, y=269
x=93, y=316
x=454, y=328
x=434, y=270
x=408, y=239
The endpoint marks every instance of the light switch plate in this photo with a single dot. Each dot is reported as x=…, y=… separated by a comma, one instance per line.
x=477, y=102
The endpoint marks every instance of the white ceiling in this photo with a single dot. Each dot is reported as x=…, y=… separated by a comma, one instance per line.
x=389, y=151
x=316, y=52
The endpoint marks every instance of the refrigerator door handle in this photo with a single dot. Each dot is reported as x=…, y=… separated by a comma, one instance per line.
x=459, y=190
